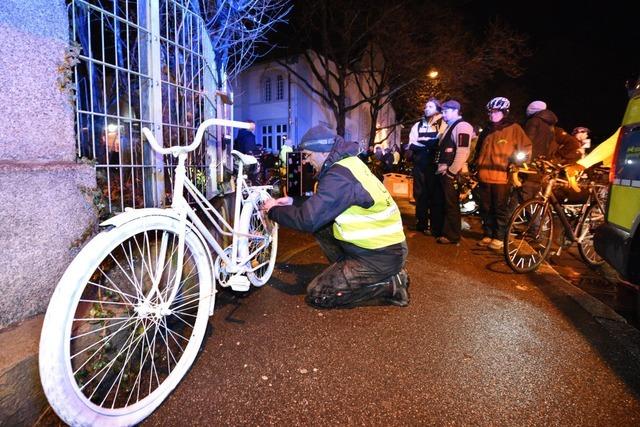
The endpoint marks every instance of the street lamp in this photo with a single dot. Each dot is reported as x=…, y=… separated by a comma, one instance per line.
x=433, y=74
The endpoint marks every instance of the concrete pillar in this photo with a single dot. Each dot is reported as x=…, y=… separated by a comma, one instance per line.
x=46, y=207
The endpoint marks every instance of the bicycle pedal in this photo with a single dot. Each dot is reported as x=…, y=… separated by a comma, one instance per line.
x=238, y=283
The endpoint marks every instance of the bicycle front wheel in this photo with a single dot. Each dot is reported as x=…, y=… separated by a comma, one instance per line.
x=261, y=245
x=118, y=337
x=592, y=219
x=529, y=236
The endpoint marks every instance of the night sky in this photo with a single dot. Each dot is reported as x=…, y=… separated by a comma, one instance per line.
x=583, y=52
x=582, y=56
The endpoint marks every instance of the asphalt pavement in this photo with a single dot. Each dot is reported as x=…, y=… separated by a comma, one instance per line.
x=478, y=345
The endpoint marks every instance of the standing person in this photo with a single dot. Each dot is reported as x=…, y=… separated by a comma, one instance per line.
x=452, y=156
x=356, y=223
x=387, y=160
x=564, y=147
x=246, y=139
x=539, y=127
x=497, y=145
x=582, y=134
x=423, y=144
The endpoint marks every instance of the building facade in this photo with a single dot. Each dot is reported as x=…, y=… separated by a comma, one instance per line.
x=284, y=107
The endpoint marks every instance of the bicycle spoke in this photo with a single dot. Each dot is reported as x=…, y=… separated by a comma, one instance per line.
x=125, y=295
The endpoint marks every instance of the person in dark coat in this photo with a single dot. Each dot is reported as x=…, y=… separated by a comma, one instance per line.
x=356, y=223
x=564, y=148
x=539, y=127
x=246, y=139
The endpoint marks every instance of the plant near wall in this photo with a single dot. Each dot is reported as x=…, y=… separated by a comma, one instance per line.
x=65, y=71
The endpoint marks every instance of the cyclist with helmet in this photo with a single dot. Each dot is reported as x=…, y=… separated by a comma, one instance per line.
x=497, y=146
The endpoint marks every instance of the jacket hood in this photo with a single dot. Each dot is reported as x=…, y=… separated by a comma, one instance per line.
x=340, y=150
x=547, y=116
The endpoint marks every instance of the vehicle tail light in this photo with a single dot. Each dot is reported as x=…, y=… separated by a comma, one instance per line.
x=614, y=160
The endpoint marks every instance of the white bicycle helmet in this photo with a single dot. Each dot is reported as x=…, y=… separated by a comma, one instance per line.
x=498, y=103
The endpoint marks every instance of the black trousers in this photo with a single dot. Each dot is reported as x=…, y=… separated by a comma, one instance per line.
x=425, y=188
x=494, y=209
x=452, y=220
x=350, y=279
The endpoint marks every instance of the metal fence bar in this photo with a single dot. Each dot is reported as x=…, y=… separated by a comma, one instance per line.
x=137, y=57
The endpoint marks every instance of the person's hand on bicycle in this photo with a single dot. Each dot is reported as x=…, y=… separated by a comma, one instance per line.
x=282, y=201
x=573, y=172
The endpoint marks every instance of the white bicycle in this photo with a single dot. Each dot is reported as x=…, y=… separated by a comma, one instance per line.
x=129, y=315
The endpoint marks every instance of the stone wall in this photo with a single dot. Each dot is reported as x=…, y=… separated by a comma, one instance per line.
x=45, y=201
x=46, y=204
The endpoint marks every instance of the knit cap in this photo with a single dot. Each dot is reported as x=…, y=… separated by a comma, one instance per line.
x=536, y=106
x=319, y=139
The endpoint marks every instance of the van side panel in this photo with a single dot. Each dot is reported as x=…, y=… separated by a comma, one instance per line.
x=624, y=211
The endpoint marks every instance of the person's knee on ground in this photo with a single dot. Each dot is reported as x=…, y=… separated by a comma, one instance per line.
x=323, y=293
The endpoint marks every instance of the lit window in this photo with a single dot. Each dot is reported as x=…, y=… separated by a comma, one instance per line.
x=274, y=136
x=267, y=89
x=279, y=88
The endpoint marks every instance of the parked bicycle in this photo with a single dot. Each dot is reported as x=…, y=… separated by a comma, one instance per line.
x=129, y=315
x=468, y=193
x=530, y=229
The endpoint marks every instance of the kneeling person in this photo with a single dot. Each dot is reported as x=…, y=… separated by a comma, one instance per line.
x=356, y=222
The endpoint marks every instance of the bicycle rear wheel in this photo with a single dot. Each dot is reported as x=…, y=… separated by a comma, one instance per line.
x=592, y=219
x=529, y=236
x=111, y=348
x=262, y=245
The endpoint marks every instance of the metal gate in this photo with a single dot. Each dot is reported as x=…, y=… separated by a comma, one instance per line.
x=142, y=63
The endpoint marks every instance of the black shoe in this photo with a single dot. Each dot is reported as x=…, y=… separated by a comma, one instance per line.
x=418, y=227
x=399, y=289
x=444, y=241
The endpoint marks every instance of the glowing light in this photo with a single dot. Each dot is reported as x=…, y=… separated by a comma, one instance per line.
x=433, y=74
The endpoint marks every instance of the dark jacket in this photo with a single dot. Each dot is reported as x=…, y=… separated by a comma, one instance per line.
x=337, y=190
x=539, y=128
x=564, y=148
x=245, y=141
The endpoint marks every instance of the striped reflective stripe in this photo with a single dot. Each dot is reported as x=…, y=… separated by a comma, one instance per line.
x=369, y=217
x=371, y=232
x=626, y=182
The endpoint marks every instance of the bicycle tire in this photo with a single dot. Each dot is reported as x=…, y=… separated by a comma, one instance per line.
x=592, y=218
x=255, y=222
x=529, y=236
x=106, y=358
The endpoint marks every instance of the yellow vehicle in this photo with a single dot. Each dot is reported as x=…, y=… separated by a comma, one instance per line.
x=618, y=239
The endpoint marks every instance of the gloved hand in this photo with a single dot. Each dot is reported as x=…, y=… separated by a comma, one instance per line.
x=573, y=170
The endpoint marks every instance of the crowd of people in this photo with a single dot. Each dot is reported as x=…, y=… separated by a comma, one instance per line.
x=358, y=224
x=501, y=143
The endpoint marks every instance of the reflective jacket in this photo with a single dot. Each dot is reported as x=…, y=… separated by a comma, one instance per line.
x=340, y=188
x=374, y=227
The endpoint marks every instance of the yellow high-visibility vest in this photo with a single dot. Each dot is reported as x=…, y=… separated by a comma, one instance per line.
x=370, y=228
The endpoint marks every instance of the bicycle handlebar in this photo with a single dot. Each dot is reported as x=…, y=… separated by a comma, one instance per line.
x=178, y=149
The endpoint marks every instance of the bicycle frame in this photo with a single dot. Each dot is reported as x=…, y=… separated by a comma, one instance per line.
x=550, y=199
x=185, y=213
